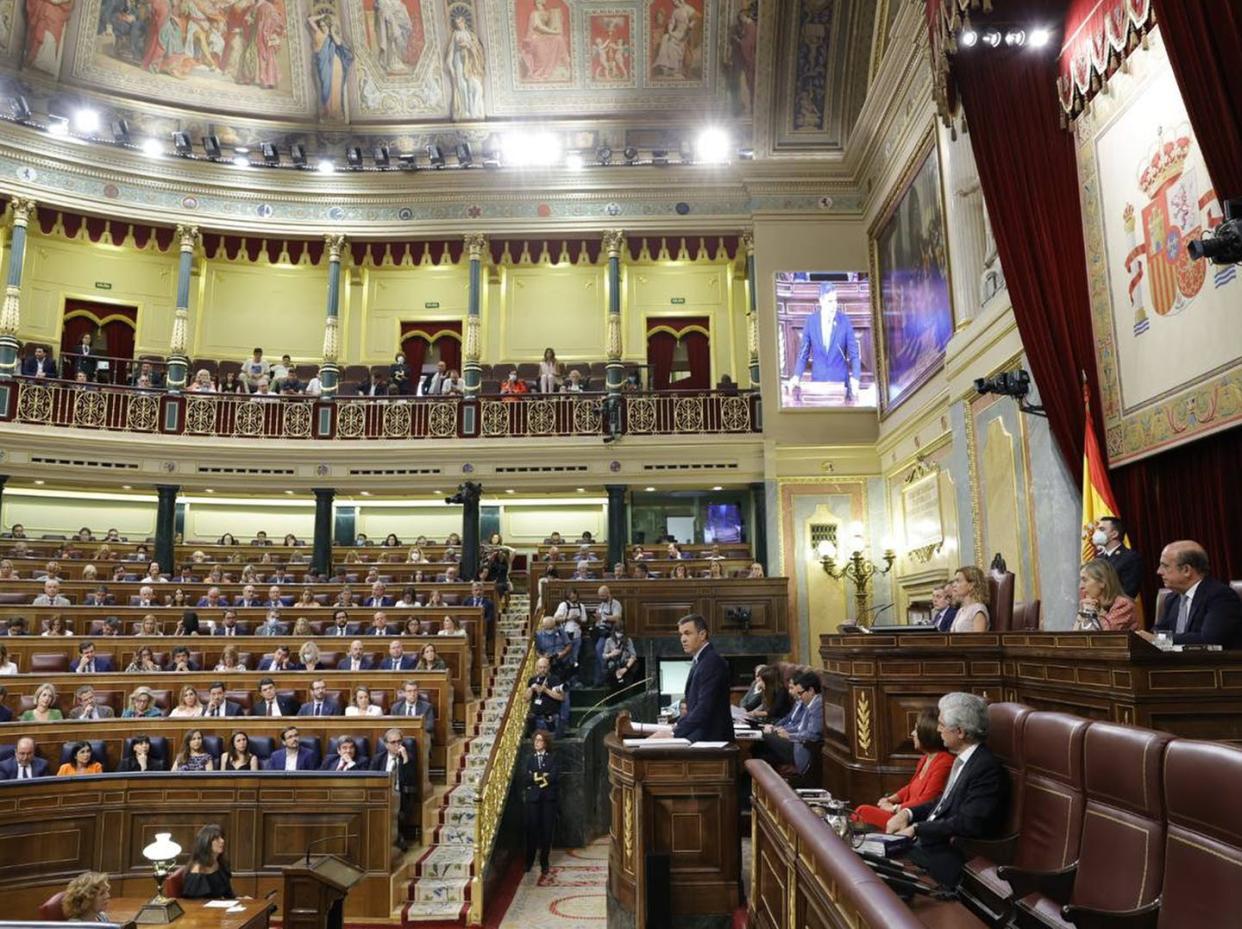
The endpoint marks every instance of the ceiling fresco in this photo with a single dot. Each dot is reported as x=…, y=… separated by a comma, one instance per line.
x=414, y=70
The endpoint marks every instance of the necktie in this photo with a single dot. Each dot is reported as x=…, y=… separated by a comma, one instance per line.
x=25, y=775
x=229, y=631
x=1183, y=614
x=540, y=757
x=318, y=705
x=948, y=788
x=90, y=667
x=354, y=665
x=272, y=709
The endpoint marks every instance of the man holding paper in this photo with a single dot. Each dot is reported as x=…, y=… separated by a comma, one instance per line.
x=707, y=717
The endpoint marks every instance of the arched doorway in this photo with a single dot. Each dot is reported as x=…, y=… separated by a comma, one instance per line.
x=425, y=344
x=679, y=353
x=111, y=328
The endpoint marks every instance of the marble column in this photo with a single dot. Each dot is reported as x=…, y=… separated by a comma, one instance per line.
x=472, y=370
x=618, y=523
x=321, y=558
x=329, y=371
x=166, y=527
x=759, y=523
x=178, y=360
x=752, y=311
x=470, y=494
x=614, y=243
x=11, y=310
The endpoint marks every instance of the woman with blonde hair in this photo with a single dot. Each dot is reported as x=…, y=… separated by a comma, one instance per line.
x=968, y=588
x=149, y=626
x=308, y=654
x=43, y=711
x=307, y=600
x=416, y=556
x=86, y=898
x=1101, y=604
x=189, y=705
x=302, y=626
x=142, y=704
x=90, y=572
x=230, y=660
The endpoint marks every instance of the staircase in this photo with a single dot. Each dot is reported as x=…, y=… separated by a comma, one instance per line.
x=439, y=887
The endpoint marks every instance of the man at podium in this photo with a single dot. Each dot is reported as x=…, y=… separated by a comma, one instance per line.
x=707, y=717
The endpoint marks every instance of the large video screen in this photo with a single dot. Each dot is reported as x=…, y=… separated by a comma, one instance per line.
x=826, y=342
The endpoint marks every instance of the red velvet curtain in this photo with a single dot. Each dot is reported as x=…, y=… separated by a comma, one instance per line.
x=1204, y=41
x=118, y=322
x=660, y=348
x=663, y=335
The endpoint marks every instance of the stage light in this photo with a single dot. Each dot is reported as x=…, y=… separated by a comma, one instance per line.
x=530, y=149
x=381, y=156
x=491, y=158
x=211, y=146
x=713, y=146
x=325, y=166
x=182, y=143
x=353, y=157
x=435, y=155
x=120, y=131
x=57, y=125
x=465, y=157
x=297, y=154
x=86, y=121
x=574, y=161
x=1015, y=37
x=631, y=154
x=686, y=152
x=604, y=155
x=271, y=154
x=241, y=161
x=152, y=148
x=1040, y=37
x=968, y=38
x=991, y=37
x=659, y=156
x=21, y=109
x=408, y=162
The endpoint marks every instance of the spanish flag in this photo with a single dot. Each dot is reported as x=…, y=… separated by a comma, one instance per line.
x=1097, y=495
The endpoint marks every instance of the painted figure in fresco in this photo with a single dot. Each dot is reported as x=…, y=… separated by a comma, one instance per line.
x=122, y=19
x=260, y=63
x=238, y=34
x=332, y=63
x=394, y=33
x=610, y=54
x=545, y=48
x=671, y=55
x=466, y=67
x=45, y=33
x=743, y=41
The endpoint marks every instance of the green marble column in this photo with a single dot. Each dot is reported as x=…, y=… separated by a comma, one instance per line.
x=329, y=371
x=752, y=310
x=178, y=360
x=614, y=243
x=472, y=370
x=11, y=310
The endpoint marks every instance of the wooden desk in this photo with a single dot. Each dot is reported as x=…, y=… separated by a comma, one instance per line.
x=75, y=591
x=197, y=915
x=684, y=803
x=876, y=685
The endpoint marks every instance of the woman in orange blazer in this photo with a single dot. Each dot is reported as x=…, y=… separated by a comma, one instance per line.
x=930, y=776
x=83, y=762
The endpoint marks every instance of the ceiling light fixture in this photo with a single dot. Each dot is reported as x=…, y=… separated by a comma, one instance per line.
x=21, y=109
x=531, y=149
x=659, y=156
x=631, y=154
x=271, y=154
x=297, y=154
x=241, y=161
x=408, y=162
x=209, y=490
x=57, y=125
x=1015, y=38
x=968, y=38
x=1040, y=37
x=510, y=490
x=86, y=121
x=991, y=37
x=717, y=487
x=713, y=146
x=382, y=156
x=353, y=157
x=152, y=148
x=649, y=489
x=211, y=146
x=574, y=161
x=435, y=155
x=603, y=155
x=325, y=166
x=40, y=483
x=120, y=131
x=465, y=157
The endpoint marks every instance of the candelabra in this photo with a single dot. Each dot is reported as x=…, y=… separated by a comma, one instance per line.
x=857, y=568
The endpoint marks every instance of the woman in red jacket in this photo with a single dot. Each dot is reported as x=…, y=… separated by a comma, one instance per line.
x=930, y=776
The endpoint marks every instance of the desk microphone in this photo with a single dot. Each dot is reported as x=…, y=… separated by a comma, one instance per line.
x=321, y=840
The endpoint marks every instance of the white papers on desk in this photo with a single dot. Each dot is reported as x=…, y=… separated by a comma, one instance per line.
x=236, y=909
x=747, y=735
x=737, y=712
x=222, y=904
x=656, y=743
x=709, y=744
x=645, y=727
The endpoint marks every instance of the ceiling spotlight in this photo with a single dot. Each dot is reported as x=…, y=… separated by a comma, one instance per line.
x=659, y=156
x=211, y=146
x=325, y=166
x=1040, y=37
x=381, y=156
x=57, y=125
x=297, y=154
x=532, y=149
x=120, y=131
x=353, y=157
x=631, y=154
x=182, y=144
x=991, y=37
x=241, y=161
x=408, y=162
x=1015, y=37
x=21, y=109
x=713, y=146
x=491, y=158
x=968, y=38
x=718, y=487
x=574, y=161
x=86, y=121
x=604, y=155
x=745, y=154
x=465, y=157
x=271, y=154
x=435, y=155
x=686, y=152
x=510, y=490
x=152, y=148
x=649, y=490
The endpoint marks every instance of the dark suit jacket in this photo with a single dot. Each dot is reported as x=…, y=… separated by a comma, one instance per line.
x=265, y=664
x=203, y=601
x=708, y=715
x=489, y=608
x=407, y=775
x=30, y=366
x=366, y=665
x=276, y=762
x=387, y=630
x=1215, y=616
x=8, y=768
x=531, y=791
x=946, y=621
x=422, y=708
x=382, y=601
x=1129, y=567
x=6, y=715
x=102, y=665
x=288, y=706
x=130, y=765
x=828, y=362
x=974, y=809
x=239, y=629
x=331, y=707
x=330, y=763
x=351, y=630
x=230, y=709
x=404, y=663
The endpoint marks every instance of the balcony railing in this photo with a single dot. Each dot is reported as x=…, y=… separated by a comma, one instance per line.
x=64, y=404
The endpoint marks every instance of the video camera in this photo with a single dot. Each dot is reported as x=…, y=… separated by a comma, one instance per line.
x=1016, y=384
x=1224, y=246
x=466, y=490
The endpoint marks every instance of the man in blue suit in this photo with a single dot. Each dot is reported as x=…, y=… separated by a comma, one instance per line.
x=397, y=659
x=24, y=764
x=708, y=717
x=356, y=660
x=293, y=757
x=790, y=740
x=830, y=345
x=38, y=365
x=320, y=703
x=88, y=663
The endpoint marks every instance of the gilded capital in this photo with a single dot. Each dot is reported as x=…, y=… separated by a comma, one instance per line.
x=614, y=241
x=748, y=242
x=476, y=242
x=336, y=244
x=23, y=210
x=188, y=237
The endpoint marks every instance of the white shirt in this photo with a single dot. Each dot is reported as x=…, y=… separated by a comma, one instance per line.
x=291, y=759
x=9, y=668
x=372, y=710
x=24, y=772
x=959, y=765
x=825, y=325
x=314, y=387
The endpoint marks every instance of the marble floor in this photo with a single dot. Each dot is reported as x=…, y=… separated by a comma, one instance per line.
x=569, y=896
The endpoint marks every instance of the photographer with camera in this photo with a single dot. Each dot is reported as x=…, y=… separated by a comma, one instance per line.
x=546, y=694
x=607, y=615
x=620, y=658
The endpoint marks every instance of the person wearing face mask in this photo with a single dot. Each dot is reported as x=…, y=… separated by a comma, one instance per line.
x=1109, y=536
x=620, y=658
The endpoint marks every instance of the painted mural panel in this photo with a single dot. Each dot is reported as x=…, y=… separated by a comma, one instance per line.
x=741, y=53
x=544, y=32
x=397, y=71
x=465, y=63
x=814, y=39
x=612, y=48
x=47, y=25
x=331, y=60
x=675, y=28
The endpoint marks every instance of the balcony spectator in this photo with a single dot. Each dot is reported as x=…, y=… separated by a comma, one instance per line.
x=454, y=386
x=550, y=371
x=39, y=365
x=512, y=387
x=573, y=383
x=232, y=384
x=202, y=383
x=253, y=369
x=399, y=374
x=146, y=370
x=281, y=373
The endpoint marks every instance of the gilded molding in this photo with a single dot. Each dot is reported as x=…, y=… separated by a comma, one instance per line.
x=11, y=312
x=180, y=332
x=23, y=210
x=331, y=341
x=748, y=242
x=476, y=244
x=614, y=242
x=336, y=244
x=613, y=340
x=474, y=340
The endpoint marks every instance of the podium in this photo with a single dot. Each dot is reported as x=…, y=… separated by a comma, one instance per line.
x=674, y=859
x=315, y=893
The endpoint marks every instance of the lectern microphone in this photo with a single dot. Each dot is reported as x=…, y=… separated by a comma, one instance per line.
x=321, y=840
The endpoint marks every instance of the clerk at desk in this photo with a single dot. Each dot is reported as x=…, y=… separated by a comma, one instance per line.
x=1205, y=611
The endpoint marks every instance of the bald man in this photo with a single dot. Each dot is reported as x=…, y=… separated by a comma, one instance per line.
x=1204, y=611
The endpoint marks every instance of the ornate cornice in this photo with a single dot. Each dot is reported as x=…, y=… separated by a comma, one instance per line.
x=476, y=245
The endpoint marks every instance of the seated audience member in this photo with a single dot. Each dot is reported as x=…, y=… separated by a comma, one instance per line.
x=142, y=704
x=450, y=626
x=345, y=758
x=146, y=598
x=552, y=643
x=100, y=597
x=213, y=598
x=180, y=660
x=308, y=657
x=7, y=666
x=408, y=599
x=513, y=386
x=143, y=662
x=1101, y=604
x=379, y=596
x=396, y=759
x=320, y=703
x=1205, y=610
x=249, y=597
x=193, y=755
x=24, y=764
x=620, y=658
x=775, y=699
x=230, y=660
x=239, y=757
x=302, y=627
x=37, y=365
x=254, y=369
x=86, y=707
x=379, y=624
x=82, y=761
x=272, y=626
x=189, y=705
x=789, y=739
x=679, y=573
x=273, y=600
x=16, y=626
x=413, y=626
x=397, y=659
x=218, y=704
x=355, y=660
x=582, y=571
x=972, y=805
x=292, y=755
x=140, y=760
x=209, y=877
x=545, y=693
x=451, y=575
x=279, y=660
x=754, y=694
x=51, y=595
x=306, y=600
x=89, y=663
x=573, y=383
x=87, y=897
x=968, y=588
x=1109, y=538
x=943, y=609
x=6, y=571
x=362, y=705
x=553, y=554
x=45, y=709
x=341, y=626
x=673, y=552
x=202, y=383
x=149, y=625
x=415, y=703
x=231, y=384
x=927, y=784
x=639, y=571
x=428, y=660
x=756, y=570
x=271, y=703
